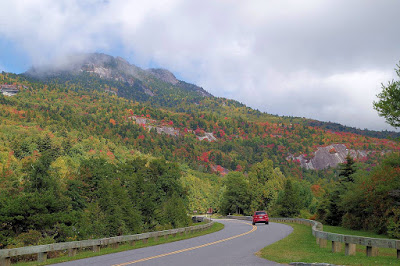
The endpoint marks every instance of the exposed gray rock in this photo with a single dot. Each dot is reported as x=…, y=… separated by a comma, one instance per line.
x=8, y=90
x=164, y=75
x=207, y=136
x=148, y=92
x=142, y=120
x=329, y=156
x=150, y=124
x=167, y=130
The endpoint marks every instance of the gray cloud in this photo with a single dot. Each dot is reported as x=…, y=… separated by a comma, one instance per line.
x=317, y=59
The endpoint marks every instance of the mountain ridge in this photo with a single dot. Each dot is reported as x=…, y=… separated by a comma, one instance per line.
x=112, y=68
x=62, y=136
x=132, y=82
x=238, y=136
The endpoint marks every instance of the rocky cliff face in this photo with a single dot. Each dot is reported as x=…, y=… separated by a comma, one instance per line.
x=112, y=68
x=329, y=156
x=164, y=75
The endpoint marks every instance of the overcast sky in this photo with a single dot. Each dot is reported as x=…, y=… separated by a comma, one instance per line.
x=318, y=59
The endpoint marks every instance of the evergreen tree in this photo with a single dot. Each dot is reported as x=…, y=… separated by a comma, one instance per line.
x=335, y=213
x=291, y=204
x=347, y=170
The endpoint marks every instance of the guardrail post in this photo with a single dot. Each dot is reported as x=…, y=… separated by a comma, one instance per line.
x=95, y=245
x=72, y=252
x=336, y=246
x=322, y=243
x=371, y=244
x=5, y=261
x=350, y=249
x=42, y=257
x=96, y=248
x=372, y=251
x=156, y=237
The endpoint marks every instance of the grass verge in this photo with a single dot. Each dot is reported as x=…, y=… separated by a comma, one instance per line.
x=301, y=246
x=346, y=231
x=124, y=247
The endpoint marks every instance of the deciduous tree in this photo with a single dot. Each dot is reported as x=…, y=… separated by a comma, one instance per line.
x=388, y=105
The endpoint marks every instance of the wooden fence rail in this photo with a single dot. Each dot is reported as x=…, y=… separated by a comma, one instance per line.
x=372, y=244
x=95, y=244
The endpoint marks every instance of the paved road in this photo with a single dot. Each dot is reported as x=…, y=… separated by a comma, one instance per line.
x=234, y=245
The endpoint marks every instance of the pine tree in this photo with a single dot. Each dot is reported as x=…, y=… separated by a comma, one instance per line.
x=347, y=170
x=290, y=201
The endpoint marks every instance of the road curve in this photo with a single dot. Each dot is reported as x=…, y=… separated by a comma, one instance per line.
x=234, y=245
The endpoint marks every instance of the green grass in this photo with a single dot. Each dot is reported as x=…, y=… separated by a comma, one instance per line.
x=345, y=231
x=124, y=247
x=301, y=246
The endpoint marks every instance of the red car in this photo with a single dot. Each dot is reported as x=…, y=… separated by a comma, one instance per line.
x=260, y=217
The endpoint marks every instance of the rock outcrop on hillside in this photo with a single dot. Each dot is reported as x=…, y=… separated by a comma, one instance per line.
x=9, y=90
x=209, y=136
x=169, y=130
x=164, y=75
x=329, y=156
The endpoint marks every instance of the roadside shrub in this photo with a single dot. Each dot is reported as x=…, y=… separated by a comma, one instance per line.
x=393, y=226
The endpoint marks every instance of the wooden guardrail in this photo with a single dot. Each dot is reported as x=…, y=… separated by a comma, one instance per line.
x=94, y=244
x=372, y=244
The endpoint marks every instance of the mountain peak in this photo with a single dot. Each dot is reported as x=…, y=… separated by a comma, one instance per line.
x=115, y=69
x=164, y=75
x=106, y=66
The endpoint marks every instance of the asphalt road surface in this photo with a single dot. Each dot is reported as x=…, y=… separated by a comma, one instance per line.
x=234, y=245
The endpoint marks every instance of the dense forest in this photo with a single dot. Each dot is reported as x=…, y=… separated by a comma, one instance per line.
x=78, y=161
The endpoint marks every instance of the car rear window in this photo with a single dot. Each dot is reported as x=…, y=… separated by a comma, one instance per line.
x=260, y=213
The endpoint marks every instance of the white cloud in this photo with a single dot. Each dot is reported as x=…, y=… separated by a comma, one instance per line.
x=318, y=59
x=345, y=97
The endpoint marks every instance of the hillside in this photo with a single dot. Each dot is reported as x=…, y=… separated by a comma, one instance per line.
x=158, y=87
x=116, y=76
x=233, y=136
x=71, y=145
x=365, y=132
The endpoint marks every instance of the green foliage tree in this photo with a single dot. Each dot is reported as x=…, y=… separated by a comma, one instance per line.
x=388, y=105
x=39, y=177
x=372, y=201
x=264, y=182
x=290, y=203
x=173, y=212
x=236, y=197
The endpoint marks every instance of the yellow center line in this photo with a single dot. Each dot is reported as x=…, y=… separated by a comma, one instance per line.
x=188, y=249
